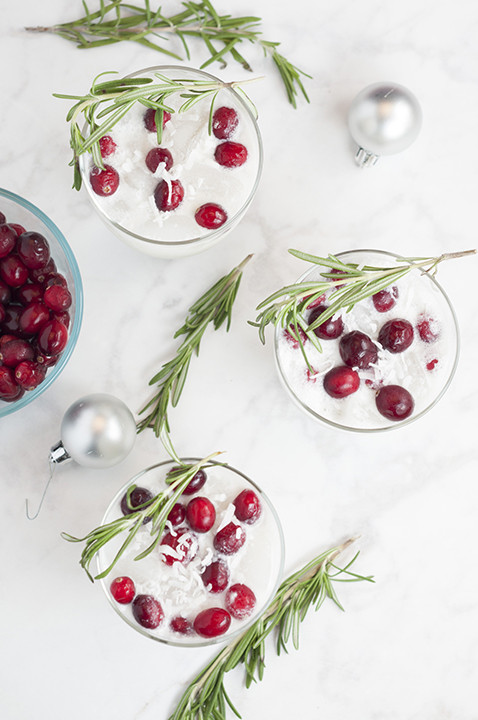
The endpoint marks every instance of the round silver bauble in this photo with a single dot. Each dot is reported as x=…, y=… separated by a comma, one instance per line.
x=384, y=119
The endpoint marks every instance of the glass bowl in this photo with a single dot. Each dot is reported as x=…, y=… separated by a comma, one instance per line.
x=425, y=369
x=20, y=211
x=179, y=587
x=130, y=212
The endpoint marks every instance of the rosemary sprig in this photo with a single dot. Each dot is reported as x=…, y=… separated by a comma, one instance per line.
x=107, y=102
x=348, y=283
x=214, y=306
x=206, y=697
x=157, y=510
x=118, y=21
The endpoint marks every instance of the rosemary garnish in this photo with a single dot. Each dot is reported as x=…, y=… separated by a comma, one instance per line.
x=109, y=101
x=348, y=283
x=214, y=306
x=157, y=510
x=222, y=34
x=206, y=697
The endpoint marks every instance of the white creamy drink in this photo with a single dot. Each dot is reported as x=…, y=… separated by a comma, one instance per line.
x=423, y=367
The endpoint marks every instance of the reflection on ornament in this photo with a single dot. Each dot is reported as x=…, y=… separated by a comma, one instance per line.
x=384, y=119
x=97, y=431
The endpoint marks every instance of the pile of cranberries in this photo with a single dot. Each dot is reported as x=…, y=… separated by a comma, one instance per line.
x=169, y=193
x=188, y=521
x=34, y=310
x=360, y=352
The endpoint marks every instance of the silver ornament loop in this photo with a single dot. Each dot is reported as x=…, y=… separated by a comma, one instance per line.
x=384, y=119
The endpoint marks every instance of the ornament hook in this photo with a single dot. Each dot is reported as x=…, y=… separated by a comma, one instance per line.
x=33, y=517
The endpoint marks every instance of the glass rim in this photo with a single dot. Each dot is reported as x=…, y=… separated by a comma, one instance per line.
x=6, y=408
x=228, y=635
x=230, y=223
x=393, y=425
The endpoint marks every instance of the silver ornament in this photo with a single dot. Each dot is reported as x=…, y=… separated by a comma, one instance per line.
x=384, y=119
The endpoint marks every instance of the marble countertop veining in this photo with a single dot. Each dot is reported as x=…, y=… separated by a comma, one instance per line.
x=406, y=647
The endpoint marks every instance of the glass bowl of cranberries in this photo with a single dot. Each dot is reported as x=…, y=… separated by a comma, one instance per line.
x=215, y=568
x=184, y=194
x=41, y=302
x=384, y=363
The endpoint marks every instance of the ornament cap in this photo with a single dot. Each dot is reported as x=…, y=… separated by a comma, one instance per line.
x=364, y=158
x=58, y=453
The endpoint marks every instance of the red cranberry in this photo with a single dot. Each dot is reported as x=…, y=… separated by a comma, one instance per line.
x=107, y=146
x=29, y=374
x=230, y=154
x=428, y=329
x=150, y=119
x=123, y=590
x=3, y=219
x=138, y=499
x=104, y=182
x=46, y=360
x=212, y=622
x=292, y=333
x=210, y=216
x=63, y=317
x=56, y=278
x=341, y=381
x=9, y=390
x=147, y=611
x=230, y=539
x=180, y=547
x=19, y=229
x=156, y=156
x=8, y=238
x=5, y=293
x=15, y=351
x=224, y=122
x=394, y=402
x=385, y=300
x=26, y=294
x=33, y=318
x=196, y=482
x=57, y=298
x=181, y=625
x=177, y=514
x=52, y=337
x=215, y=576
x=357, y=350
x=200, y=514
x=13, y=271
x=167, y=198
x=33, y=250
x=43, y=274
x=2, y=313
x=248, y=506
x=240, y=601
x=396, y=335
x=328, y=330
x=11, y=320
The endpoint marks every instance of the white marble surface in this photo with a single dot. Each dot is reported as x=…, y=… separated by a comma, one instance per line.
x=406, y=647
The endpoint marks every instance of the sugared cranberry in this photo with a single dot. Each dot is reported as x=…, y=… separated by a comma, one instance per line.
x=230, y=154
x=104, y=182
x=33, y=250
x=150, y=119
x=394, y=402
x=240, y=601
x=136, y=500
x=328, y=330
x=13, y=271
x=341, y=381
x=357, y=350
x=178, y=547
x=123, y=590
x=31, y=292
x=212, y=622
x=200, y=514
x=396, y=335
x=181, y=625
x=215, y=576
x=15, y=351
x=224, y=122
x=428, y=329
x=57, y=298
x=147, y=611
x=168, y=198
x=107, y=146
x=29, y=374
x=230, y=539
x=177, y=514
x=33, y=318
x=52, y=337
x=292, y=333
x=9, y=389
x=8, y=238
x=156, y=156
x=385, y=300
x=210, y=216
x=248, y=506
